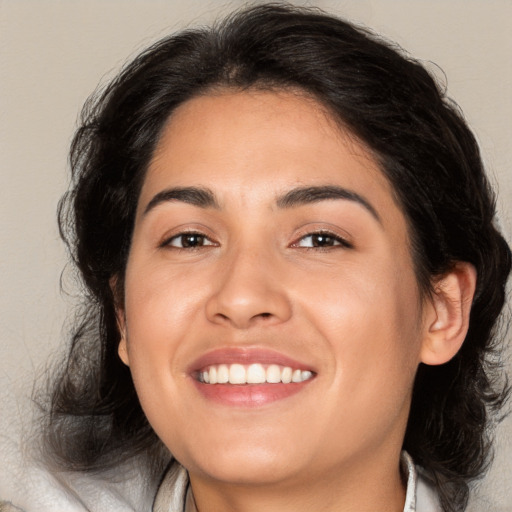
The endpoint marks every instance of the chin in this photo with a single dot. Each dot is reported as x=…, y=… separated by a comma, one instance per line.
x=246, y=463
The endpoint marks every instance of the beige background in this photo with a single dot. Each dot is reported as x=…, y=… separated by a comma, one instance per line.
x=54, y=53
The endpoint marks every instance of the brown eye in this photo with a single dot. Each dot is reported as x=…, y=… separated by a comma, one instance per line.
x=322, y=240
x=189, y=241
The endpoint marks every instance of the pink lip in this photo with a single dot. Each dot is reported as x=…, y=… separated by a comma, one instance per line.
x=246, y=395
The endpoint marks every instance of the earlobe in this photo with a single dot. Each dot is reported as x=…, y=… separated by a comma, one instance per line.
x=447, y=318
x=122, y=348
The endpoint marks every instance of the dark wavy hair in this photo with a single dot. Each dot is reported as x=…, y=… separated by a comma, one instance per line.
x=425, y=149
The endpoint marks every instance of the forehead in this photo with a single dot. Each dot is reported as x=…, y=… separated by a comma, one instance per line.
x=236, y=141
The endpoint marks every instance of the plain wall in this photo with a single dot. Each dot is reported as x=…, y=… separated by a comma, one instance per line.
x=53, y=55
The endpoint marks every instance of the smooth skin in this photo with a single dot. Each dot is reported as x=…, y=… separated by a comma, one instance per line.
x=328, y=282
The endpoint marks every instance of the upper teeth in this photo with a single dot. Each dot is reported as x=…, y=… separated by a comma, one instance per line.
x=252, y=374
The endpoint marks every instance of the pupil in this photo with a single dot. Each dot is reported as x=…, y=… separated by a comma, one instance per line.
x=192, y=240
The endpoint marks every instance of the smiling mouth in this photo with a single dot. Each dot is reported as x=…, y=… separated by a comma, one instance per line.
x=255, y=373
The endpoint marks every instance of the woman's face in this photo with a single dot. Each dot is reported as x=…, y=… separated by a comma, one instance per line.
x=268, y=247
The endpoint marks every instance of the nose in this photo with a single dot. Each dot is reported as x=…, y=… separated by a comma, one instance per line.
x=249, y=290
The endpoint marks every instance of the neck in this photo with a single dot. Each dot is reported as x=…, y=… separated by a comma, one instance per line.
x=368, y=485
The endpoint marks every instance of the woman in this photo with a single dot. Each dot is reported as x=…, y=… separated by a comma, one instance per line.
x=287, y=238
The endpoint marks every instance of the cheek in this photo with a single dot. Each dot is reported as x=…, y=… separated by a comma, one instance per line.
x=371, y=319
x=159, y=299
x=159, y=315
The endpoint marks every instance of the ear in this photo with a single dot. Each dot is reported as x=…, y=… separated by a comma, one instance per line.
x=122, y=349
x=447, y=316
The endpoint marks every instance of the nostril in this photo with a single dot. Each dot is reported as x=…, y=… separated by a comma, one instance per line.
x=265, y=315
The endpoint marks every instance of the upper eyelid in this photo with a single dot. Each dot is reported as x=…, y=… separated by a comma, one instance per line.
x=183, y=228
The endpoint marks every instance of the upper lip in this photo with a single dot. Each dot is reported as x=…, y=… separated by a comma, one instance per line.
x=231, y=355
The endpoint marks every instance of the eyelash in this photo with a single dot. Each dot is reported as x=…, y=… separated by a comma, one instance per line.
x=337, y=241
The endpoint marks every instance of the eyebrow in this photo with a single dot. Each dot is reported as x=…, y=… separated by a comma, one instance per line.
x=204, y=198
x=307, y=195
x=196, y=196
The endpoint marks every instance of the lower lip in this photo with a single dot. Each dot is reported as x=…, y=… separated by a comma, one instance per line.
x=249, y=395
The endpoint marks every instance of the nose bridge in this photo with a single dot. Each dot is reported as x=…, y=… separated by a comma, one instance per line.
x=248, y=289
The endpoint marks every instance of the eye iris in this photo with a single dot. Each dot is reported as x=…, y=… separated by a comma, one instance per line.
x=192, y=240
x=321, y=240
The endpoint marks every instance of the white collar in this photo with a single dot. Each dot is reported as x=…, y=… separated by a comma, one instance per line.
x=409, y=470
